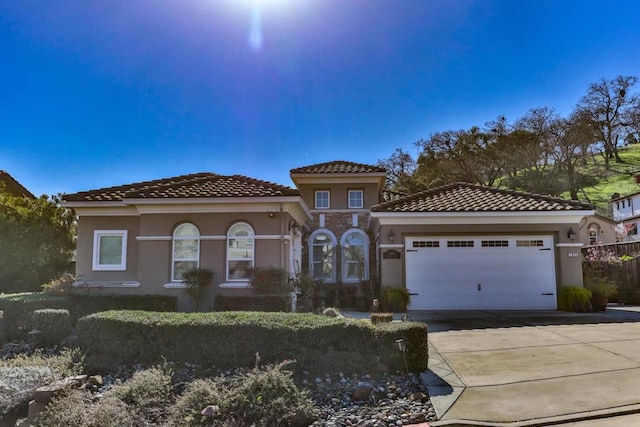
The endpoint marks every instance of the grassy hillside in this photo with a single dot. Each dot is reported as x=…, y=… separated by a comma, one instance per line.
x=620, y=179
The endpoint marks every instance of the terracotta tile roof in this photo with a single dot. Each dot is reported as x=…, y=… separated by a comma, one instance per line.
x=464, y=197
x=10, y=185
x=338, y=166
x=198, y=185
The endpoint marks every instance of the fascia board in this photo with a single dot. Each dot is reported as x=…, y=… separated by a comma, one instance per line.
x=106, y=211
x=411, y=218
x=339, y=178
x=211, y=200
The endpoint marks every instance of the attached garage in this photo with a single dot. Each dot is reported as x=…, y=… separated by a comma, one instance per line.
x=481, y=272
x=469, y=247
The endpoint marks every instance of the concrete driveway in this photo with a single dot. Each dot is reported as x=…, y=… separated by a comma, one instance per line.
x=532, y=368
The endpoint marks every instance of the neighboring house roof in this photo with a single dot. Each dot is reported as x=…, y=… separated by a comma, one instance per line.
x=464, y=197
x=198, y=185
x=338, y=166
x=13, y=187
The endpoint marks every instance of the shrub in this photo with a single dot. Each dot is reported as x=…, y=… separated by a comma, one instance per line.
x=148, y=393
x=414, y=335
x=395, y=299
x=82, y=305
x=269, y=280
x=227, y=339
x=18, y=311
x=22, y=375
x=252, y=303
x=331, y=312
x=61, y=285
x=574, y=298
x=19, y=383
x=197, y=282
x=76, y=409
x=263, y=396
x=381, y=318
x=54, y=326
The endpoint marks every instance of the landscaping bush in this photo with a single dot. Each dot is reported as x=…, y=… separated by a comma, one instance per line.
x=22, y=375
x=82, y=305
x=414, y=335
x=230, y=339
x=62, y=285
x=75, y=408
x=269, y=280
x=381, y=318
x=54, y=326
x=263, y=396
x=252, y=303
x=18, y=311
x=18, y=385
x=574, y=298
x=197, y=282
x=395, y=299
x=148, y=393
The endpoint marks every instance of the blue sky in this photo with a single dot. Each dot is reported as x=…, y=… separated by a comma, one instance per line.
x=100, y=93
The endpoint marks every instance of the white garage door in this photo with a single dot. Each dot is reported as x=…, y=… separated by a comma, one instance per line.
x=481, y=273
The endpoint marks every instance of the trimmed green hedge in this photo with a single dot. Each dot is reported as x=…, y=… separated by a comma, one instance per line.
x=252, y=303
x=54, y=326
x=18, y=311
x=82, y=305
x=18, y=308
x=232, y=339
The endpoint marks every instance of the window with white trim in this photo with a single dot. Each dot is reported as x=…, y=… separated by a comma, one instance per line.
x=322, y=256
x=355, y=199
x=240, y=252
x=355, y=260
x=186, y=250
x=110, y=250
x=322, y=199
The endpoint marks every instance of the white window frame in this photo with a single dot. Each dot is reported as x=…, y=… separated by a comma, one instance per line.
x=365, y=267
x=251, y=237
x=361, y=199
x=174, y=279
x=318, y=192
x=99, y=234
x=334, y=244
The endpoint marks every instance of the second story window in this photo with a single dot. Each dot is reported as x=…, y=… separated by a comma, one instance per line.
x=322, y=199
x=355, y=199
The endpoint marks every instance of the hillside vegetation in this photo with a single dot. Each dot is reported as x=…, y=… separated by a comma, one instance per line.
x=619, y=179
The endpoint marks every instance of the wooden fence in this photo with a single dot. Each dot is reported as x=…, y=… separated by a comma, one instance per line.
x=626, y=275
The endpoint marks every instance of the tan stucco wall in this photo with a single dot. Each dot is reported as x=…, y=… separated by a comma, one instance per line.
x=607, y=230
x=149, y=261
x=568, y=267
x=339, y=194
x=84, y=257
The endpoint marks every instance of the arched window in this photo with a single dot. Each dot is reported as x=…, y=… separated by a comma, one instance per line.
x=355, y=256
x=186, y=250
x=240, y=252
x=322, y=255
x=594, y=233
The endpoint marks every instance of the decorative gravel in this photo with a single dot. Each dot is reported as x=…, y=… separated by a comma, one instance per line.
x=394, y=400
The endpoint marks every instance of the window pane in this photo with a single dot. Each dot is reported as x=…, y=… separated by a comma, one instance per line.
x=323, y=270
x=239, y=269
x=355, y=199
x=240, y=248
x=241, y=230
x=186, y=230
x=185, y=249
x=110, y=250
x=179, y=267
x=353, y=270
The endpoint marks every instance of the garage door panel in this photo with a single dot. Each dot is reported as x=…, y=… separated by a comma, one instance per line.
x=514, y=272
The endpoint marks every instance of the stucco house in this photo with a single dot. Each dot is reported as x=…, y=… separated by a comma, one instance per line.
x=457, y=247
x=626, y=212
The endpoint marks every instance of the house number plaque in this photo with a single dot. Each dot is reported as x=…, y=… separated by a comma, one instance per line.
x=391, y=254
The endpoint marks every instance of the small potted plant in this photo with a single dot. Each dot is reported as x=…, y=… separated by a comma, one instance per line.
x=602, y=288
